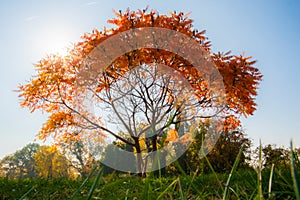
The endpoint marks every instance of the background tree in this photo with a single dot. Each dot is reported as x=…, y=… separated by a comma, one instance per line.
x=297, y=150
x=2, y=172
x=221, y=157
x=21, y=164
x=79, y=157
x=59, y=89
x=278, y=156
x=50, y=163
x=226, y=150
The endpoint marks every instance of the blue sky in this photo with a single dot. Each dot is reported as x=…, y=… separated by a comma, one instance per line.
x=267, y=30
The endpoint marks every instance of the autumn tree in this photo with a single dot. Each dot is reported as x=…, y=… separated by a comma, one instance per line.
x=50, y=163
x=97, y=64
x=145, y=103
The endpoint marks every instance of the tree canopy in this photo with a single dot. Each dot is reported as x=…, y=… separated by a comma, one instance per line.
x=63, y=83
x=21, y=164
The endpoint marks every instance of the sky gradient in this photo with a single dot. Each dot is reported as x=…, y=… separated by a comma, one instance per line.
x=267, y=30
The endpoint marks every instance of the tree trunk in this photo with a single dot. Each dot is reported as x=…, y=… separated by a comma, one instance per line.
x=155, y=156
x=139, y=163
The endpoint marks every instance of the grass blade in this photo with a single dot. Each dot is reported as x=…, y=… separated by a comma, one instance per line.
x=236, y=162
x=24, y=195
x=181, y=191
x=94, y=184
x=259, y=176
x=186, y=176
x=270, y=181
x=294, y=172
x=213, y=171
x=192, y=180
x=234, y=192
x=147, y=189
x=84, y=183
x=168, y=188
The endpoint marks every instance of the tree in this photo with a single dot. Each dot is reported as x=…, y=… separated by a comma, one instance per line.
x=50, y=163
x=145, y=103
x=297, y=150
x=278, y=156
x=226, y=150
x=21, y=164
x=2, y=172
x=62, y=83
x=79, y=157
x=221, y=157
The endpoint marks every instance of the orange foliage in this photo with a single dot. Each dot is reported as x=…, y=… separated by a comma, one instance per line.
x=56, y=88
x=172, y=136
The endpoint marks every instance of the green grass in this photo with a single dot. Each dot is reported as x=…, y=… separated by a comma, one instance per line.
x=242, y=184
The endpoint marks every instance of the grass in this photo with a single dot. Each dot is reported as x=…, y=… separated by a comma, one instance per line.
x=231, y=174
x=243, y=184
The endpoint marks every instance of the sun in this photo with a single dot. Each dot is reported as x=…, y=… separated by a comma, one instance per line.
x=57, y=44
x=55, y=40
x=58, y=48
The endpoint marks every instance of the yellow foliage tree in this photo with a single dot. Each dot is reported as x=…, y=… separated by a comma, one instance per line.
x=50, y=163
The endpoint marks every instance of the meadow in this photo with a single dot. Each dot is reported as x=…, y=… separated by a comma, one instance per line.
x=267, y=183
